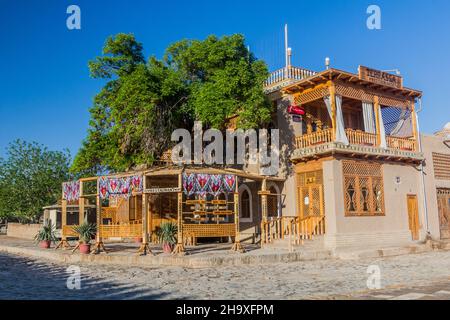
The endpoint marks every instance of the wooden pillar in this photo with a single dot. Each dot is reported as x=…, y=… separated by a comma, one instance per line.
x=414, y=125
x=332, y=91
x=179, y=248
x=263, y=194
x=237, y=241
x=99, y=246
x=144, y=246
x=98, y=217
x=64, y=244
x=63, y=218
x=81, y=205
x=376, y=108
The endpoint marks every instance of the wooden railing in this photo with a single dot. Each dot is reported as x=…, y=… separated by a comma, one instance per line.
x=289, y=73
x=401, y=143
x=293, y=228
x=308, y=140
x=361, y=137
x=356, y=137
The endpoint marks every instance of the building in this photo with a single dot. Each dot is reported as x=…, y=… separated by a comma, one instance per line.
x=354, y=172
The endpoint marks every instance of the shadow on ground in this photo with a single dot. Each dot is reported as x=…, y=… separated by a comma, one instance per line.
x=26, y=279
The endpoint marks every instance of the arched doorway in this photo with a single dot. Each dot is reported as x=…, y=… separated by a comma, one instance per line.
x=245, y=204
x=273, y=201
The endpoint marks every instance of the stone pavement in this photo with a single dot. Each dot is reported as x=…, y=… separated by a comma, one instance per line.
x=435, y=291
x=422, y=276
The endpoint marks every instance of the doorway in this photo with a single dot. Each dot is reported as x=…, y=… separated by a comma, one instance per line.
x=413, y=216
x=443, y=198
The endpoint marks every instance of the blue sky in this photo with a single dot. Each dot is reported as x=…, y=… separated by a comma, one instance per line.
x=45, y=89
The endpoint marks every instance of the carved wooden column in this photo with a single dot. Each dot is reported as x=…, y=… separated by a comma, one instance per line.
x=81, y=205
x=376, y=110
x=263, y=193
x=414, y=125
x=179, y=248
x=237, y=242
x=144, y=249
x=332, y=91
x=99, y=246
x=64, y=244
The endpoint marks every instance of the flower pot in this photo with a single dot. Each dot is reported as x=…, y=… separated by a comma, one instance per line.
x=138, y=239
x=85, y=248
x=167, y=248
x=45, y=244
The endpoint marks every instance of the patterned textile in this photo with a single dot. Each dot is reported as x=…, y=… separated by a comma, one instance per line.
x=229, y=181
x=216, y=184
x=71, y=190
x=203, y=184
x=119, y=187
x=188, y=184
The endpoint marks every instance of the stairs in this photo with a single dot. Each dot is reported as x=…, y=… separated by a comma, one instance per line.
x=289, y=232
x=315, y=244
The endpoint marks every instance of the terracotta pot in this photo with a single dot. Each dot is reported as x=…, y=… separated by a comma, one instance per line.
x=138, y=239
x=45, y=244
x=167, y=248
x=85, y=248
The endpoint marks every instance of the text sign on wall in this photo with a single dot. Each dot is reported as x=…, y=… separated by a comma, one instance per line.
x=380, y=77
x=162, y=190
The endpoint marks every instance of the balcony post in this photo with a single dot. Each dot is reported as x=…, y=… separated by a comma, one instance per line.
x=414, y=125
x=376, y=107
x=332, y=90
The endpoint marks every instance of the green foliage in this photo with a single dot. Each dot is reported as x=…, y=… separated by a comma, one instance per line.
x=85, y=231
x=167, y=233
x=133, y=116
x=225, y=79
x=46, y=233
x=30, y=178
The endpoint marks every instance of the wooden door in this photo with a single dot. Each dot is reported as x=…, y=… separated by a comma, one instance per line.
x=413, y=216
x=443, y=197
x=310, y=194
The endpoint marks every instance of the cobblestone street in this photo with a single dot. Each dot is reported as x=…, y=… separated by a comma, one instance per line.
x=420, y=276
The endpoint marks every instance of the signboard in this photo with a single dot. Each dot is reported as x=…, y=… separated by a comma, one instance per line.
x=380, y=77
x=162, y=190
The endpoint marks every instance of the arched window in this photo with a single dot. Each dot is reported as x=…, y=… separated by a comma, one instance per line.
x=245, y=205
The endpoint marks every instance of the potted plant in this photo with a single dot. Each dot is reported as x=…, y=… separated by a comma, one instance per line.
x=45, y=236
x=86, y=231
x=167, y=235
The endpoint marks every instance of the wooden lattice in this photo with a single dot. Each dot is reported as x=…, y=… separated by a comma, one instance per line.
x=443, y=199
x=441, y=163
x=121, y=231
x=310, y=194
x=363, y=188
x=311, y=95
x=368, y=95
x=210, y=230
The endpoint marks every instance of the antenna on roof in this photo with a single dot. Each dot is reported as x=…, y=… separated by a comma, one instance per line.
x=287, y=50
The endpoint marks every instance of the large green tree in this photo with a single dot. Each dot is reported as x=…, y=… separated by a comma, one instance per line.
x=30, y=178
x=143, y=102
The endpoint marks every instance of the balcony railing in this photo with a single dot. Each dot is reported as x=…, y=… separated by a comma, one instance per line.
x=355, y=137
x=285, y=74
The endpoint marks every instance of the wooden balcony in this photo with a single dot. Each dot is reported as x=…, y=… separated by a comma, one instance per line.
x=361, y=143
x=285, y=76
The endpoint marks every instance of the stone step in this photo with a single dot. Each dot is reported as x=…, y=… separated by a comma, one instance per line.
x=315, y=243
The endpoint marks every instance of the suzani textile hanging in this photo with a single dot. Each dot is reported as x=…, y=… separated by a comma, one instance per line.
x=119, y=187
x=71, y=190
x=203, y=184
